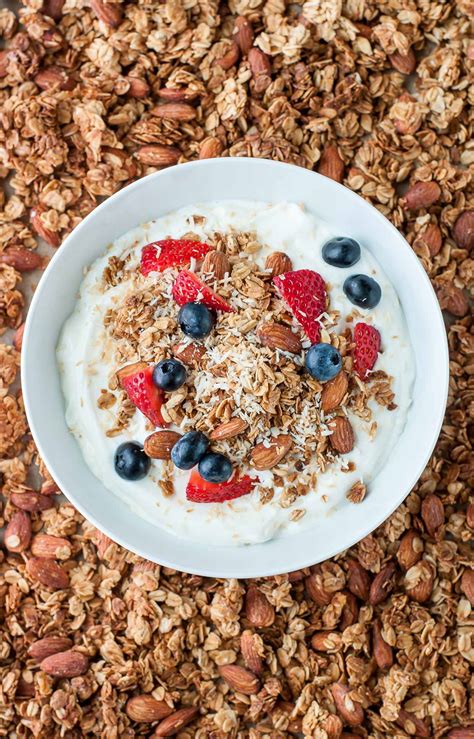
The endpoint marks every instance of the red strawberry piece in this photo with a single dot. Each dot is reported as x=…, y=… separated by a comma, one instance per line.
x=201, y=491
x=189, y=289
x=160, y=255
x=136, y=380
x=304, y=292
x=367, y=347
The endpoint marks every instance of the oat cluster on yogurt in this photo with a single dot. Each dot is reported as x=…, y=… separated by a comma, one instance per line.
x=242, y=365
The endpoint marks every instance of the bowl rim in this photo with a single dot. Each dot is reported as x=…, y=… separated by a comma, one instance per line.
x=113, y=201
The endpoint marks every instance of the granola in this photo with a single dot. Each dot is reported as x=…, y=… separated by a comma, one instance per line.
x=332, y=79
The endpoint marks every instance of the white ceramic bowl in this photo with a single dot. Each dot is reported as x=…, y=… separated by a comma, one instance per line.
x=217, y=179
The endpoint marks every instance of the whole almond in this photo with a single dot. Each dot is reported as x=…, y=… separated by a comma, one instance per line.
x=53, y=9
x=210, y=148
x=419, y=581
x=190, y=354
x=229, y=429
x=382, y=584
x=383, y=652
x=404, y=63
x=18, y=337
x=230, y=58
x=421, y=195
x=243, y=34
x=432, y=238
x=139, y=88
x=258, y=610
x=48, y=573
x=216, y=264
x=316, y=590
x=331, y=164
x=278, y=263
x=54, y=77
x=350, y=611
x=332, y=726
x=31, y=501
x=412, y=725
x=173, y=723
x=174, y=111
x=326, y=641
x=267, y=455
x=51, y=547
x=410, y=549
x=350, y=710
x=277, y=336
x=358, y=580
x=334, y=391
x=145, y=709
x=467, y=585
x=109, y=13
x=129, y=369
x=463, y=230
x=452, y=299
x=250, y=652
x=342, y=437
x=240, y=679
x=43, y=648
x=160, y=444
x=260, y=67
x=156, y=155
x=175, y=95
x=432, y=513
x=51, y=237
x=18, y=532
x=65, y=664
x=23, y=260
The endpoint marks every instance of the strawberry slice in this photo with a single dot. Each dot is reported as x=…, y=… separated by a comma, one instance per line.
x=160, y=255
x=304, y=292
x=189, y=289
x=136, y=380
x=367, y=347
x=201, y=491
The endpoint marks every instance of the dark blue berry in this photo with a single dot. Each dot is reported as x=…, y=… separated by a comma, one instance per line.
x=196, y=320
x=215, y=467
x=169, y=374
x=188, y=450
x=323, y=362
x=131, y=462
x=363, y=291
x=341, y=251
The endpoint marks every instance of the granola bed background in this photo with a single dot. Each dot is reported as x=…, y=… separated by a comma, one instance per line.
x=321, y=87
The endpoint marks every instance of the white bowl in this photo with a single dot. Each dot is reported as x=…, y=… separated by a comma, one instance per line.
x=217, y=179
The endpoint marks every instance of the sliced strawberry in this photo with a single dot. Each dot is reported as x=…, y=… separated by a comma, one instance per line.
x=136, y=380
x=160, y=255
x=200, y=491
x=367, y=347
x=189, y=289
x=304, y=292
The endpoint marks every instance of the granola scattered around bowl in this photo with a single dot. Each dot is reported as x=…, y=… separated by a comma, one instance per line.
x=235, y=370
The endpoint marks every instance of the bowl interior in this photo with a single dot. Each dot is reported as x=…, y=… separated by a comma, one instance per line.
x=210, y=180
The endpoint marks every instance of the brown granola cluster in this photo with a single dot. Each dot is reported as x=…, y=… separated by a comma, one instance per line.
x=374, y=643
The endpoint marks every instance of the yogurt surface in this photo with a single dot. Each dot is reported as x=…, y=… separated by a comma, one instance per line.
x=86, y=357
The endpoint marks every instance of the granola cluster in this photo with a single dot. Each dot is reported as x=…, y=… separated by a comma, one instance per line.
x=374, y=643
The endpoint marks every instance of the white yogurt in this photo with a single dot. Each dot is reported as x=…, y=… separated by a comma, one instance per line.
x=85, y=357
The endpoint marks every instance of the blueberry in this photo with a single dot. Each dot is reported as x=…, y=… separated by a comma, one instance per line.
x=188, y=450
x=363, y=291
x=323, y=362
x=131, y=462
x=196, y=320
x=215, y=467
x=341, y=251
x=169, y=374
